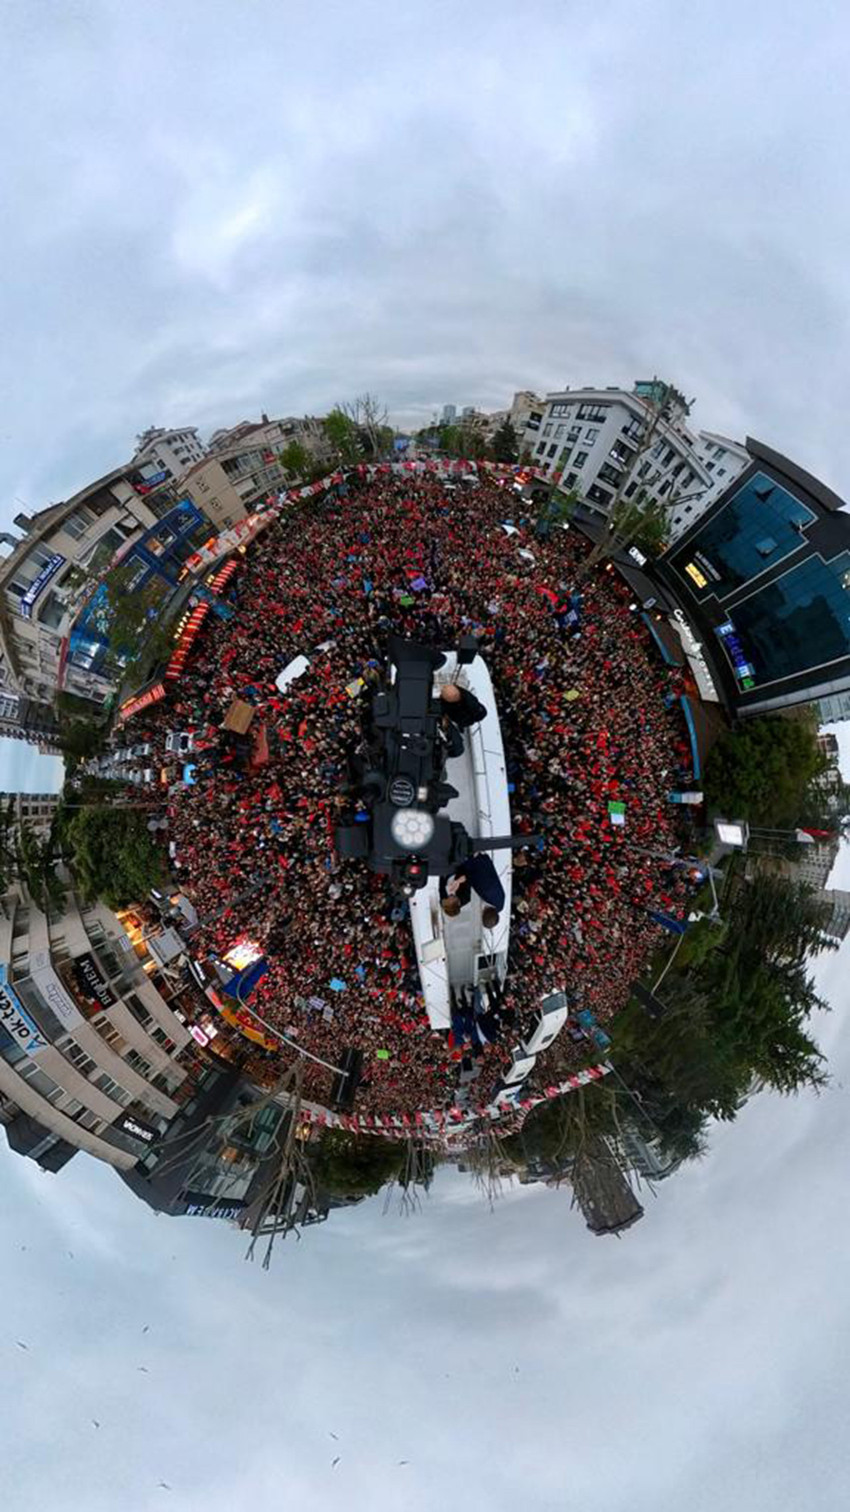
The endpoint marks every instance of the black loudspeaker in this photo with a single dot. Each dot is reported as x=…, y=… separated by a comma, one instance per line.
x=467, y=650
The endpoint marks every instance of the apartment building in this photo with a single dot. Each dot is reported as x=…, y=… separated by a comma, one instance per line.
x=590, y=438
x=51, y=583
x=34, y=810
x=95, y=1054
x=725, y=460
x=171, y=451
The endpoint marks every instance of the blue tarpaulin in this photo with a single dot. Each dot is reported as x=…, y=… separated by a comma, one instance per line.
x=692, y=735
x=666, y=654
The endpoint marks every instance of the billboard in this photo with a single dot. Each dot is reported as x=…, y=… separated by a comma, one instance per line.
x=57, y=997
x=21, y=1029
x=89, y=982
x=37, y=587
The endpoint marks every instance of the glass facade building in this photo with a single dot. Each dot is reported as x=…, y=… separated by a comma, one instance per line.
x=765, y=575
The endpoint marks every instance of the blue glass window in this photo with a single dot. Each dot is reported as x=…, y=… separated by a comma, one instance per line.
x=761, y=524
x=800, y=621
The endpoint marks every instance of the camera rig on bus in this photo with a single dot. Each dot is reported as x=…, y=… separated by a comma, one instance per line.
x=400, y=829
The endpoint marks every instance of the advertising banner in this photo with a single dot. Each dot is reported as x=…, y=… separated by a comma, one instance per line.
x=16, y=1021
x=57, y=997
x=90, y=983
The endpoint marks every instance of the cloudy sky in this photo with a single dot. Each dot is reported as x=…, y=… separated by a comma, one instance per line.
x=214, y=210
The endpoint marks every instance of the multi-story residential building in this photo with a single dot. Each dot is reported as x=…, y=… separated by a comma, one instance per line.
x=813, y=864
x=21, y=719
x=725, y=460
x=526, y=417
x=764, y=577
x=449, y=414
x=52, y=582
x=591, y=438
x=838, y=923
x=32, y=810
x=210, y=487
x=248, y=453
x=95, y=1054
x=834, y=708
x=171, y=451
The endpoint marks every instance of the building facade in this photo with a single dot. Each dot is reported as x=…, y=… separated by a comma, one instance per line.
x=171, y=451
x=53, y=583
x=249, y=453
x=590, y=439
x=32, y=810
x=95, y=1054
x=838, y=923
x=834, y=708
x=22, y=719
x=765, y=578
x=212, y=490
x=526, y=417
x=725, y=460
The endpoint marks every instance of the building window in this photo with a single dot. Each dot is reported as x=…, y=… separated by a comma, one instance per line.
x=580, y=458
x=552, y=449
x=590, y=437
x=597, y=413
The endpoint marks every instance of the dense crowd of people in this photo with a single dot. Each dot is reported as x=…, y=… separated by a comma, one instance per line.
x=587, y=721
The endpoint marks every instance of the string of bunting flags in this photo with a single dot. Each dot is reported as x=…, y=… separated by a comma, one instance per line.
x=439, y=1124
x=444, y=465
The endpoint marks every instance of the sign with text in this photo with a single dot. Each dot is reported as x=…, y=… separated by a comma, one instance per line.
x=57, y=997
x=136, y=1128
x=90, y=983
x=16, y=1021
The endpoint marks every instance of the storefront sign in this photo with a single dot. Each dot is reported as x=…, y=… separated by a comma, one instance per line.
x=57, y=998
x=141, y=701
x=697, y=662
x=16, y=1021
x=744, y=670
x=90, y=982
x=136, y=1128
x=637, y=556
x=37, y=587
x=208, y=1208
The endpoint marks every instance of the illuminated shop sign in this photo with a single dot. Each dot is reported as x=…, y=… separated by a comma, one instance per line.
x=694, y=573
x=136, y=1128
x=744, y=669
x=142, y=701
x=37, y=587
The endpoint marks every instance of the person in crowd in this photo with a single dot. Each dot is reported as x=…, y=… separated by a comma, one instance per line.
x=584, y=724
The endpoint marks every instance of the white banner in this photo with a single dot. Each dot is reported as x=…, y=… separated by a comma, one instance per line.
x=55, y=995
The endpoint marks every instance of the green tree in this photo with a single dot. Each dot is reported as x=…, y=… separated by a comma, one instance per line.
x=113, y=854
x=80, y=739
x=295, y=459
x=505, y=448
x=762, y=770
x=351, y=1167
x=451, y=440
x=36, y=866
x=343, y=436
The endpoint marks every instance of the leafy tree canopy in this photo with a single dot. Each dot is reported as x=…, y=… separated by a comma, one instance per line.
x=114, y=856
x=505, y=447
x=350, y=1167
x=762, y=770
